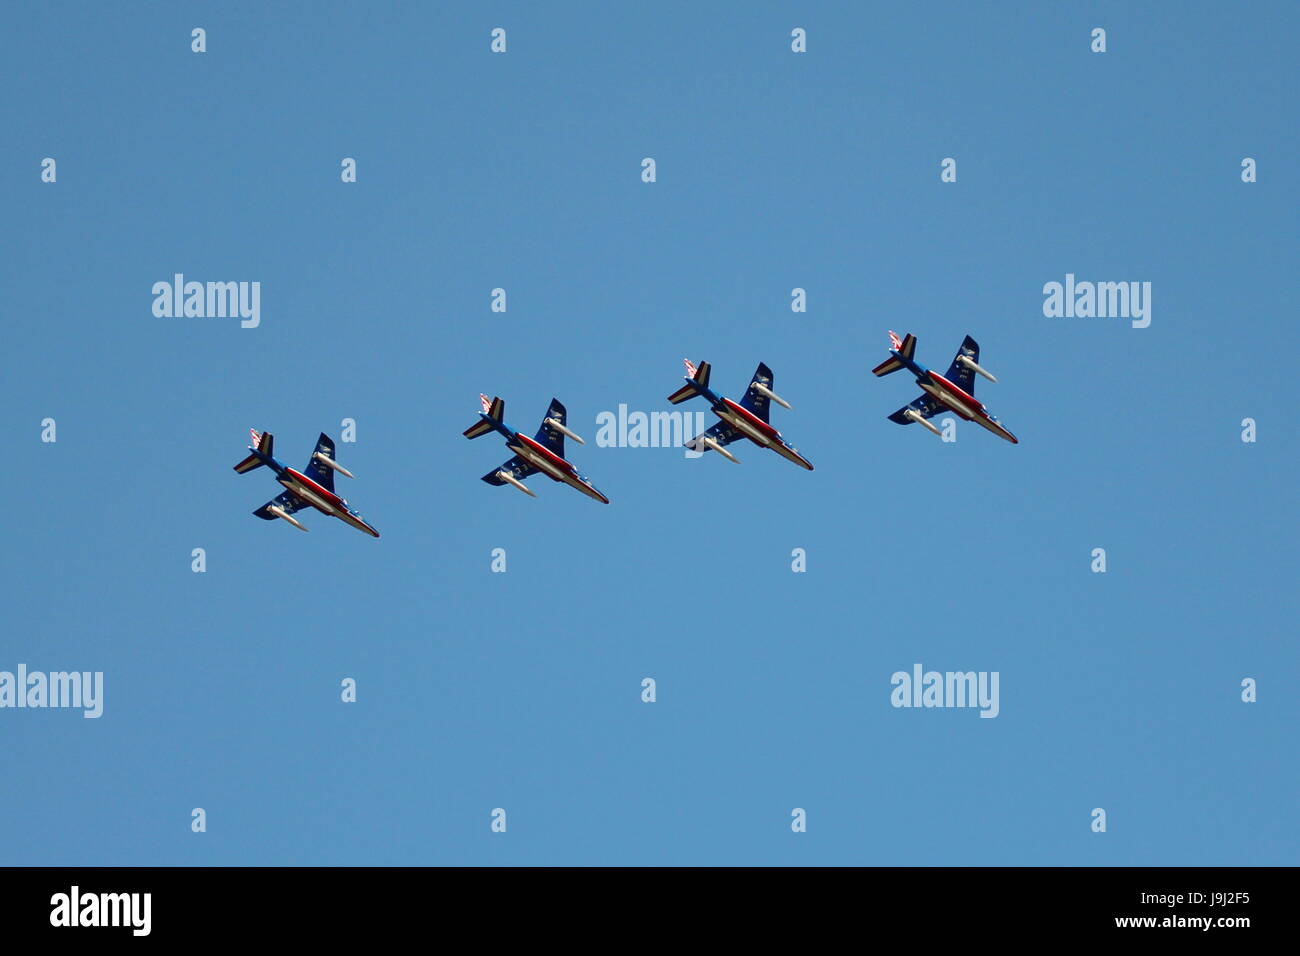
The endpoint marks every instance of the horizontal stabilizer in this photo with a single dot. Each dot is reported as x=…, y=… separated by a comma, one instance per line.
x=697, y=378
x=494, y=413
x=264, y=443
x=905, y=349
x=683, y=393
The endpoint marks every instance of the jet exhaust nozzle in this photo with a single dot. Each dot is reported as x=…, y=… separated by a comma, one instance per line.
x=720, y=450
x=764, y=390
x=330, y=463
x=564, y=431
x=506, y=476
x=281, y=513
x=915, y=416
x=970, y=364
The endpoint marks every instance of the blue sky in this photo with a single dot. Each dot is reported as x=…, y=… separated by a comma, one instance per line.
x=522, y=690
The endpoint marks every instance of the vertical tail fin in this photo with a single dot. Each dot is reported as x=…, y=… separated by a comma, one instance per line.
x=494, y=413
x=263, y=443
x=904, y=347
x=698, y=378
x=700, y=373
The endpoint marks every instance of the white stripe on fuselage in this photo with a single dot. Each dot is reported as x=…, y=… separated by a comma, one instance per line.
x=307, y=495
x=993, y=426
x=952, y=401
x=356, y=522
x=539, y=461
x=963, y=409
x=548, y=467
x=738, y=422
x=786, y=453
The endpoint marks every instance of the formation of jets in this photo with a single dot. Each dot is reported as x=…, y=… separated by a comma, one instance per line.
x=543, y=454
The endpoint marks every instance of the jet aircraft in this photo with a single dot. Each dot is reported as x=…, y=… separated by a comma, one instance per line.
x=312, y=487
x=954, y=391
x=543, y=453
x=744, y=419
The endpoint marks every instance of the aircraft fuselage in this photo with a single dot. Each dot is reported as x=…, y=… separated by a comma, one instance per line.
x=752, y=427
x=544, y=460
x=314, y=494
x=954, y=397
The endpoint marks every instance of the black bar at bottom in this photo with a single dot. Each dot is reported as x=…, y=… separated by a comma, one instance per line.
x=337, y=905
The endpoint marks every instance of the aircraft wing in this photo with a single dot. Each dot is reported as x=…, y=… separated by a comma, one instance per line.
x=317, y=472
x=548, y=436
x=515, y=467
x=722, y=433
x=958, y=373
x=754, y=402
x=927, y=405
x=286, y=500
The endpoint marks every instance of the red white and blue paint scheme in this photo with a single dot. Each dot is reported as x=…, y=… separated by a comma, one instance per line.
x=744, y=419
x=953, y=392
x=312, y=487
x=543, y=453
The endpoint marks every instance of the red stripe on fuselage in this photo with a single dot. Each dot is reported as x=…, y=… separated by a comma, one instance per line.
x=972, y=404
x=535, y=446
x=317, y=489
x=750, y=417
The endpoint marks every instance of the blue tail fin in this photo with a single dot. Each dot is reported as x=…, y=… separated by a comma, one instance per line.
x=494, y=412
x=264, y=443
x=697, y=378
x=904, y=347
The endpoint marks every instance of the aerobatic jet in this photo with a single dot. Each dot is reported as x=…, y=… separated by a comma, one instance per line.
x=744, y=419
x=543, y=453
x=953, y=392
x=312, y=487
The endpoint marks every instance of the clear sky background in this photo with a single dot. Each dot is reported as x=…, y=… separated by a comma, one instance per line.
x=522, y=690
